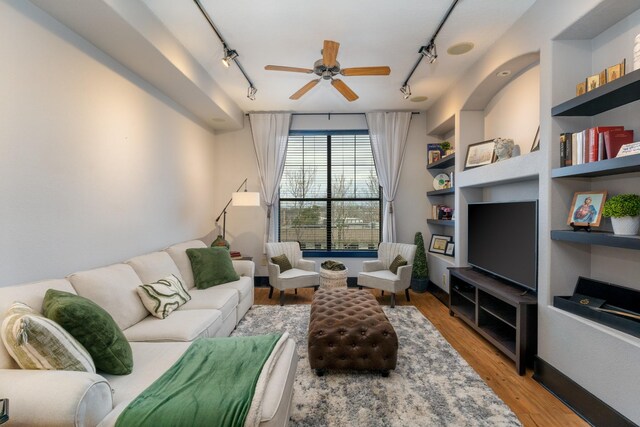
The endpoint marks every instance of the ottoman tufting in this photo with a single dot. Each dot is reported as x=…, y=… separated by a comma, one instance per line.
x=349, y=330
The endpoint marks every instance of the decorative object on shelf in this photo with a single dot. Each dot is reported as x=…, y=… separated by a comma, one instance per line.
x=503, y=148
x=434, y=156
x=593, y=82
x=636, y=54
x=420, y=272
x=480, y=154
x=629, y=149
x=603, y=77
x=446, y=148
x=244, y=198
x=441, y=181
x=220, y=242
x=439, y=243
x=586, y=208
x=4, y=410
x=624, y=211
x=536, y=141
x=581, y=88
x=449, y=249
x=616, y=71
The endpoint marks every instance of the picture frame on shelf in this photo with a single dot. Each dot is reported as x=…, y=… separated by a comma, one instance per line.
x=586, y=208
x=616, y=71
x=434, y=156
x=536, y=141
x=438, y=243
x=593, y=82
x=581, y=88
x=449, y=250
x=480, y=154
x=603, y=77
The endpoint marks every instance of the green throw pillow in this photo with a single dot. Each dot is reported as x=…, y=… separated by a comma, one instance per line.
x=93, y=327
x=398, y=261
x=211, y=267
x=283, y=262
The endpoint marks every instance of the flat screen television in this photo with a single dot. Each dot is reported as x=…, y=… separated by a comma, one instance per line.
x=503, y=240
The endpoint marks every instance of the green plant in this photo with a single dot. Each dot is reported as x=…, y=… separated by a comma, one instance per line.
x=445, y=145
x=420, y=268
x=622, y=205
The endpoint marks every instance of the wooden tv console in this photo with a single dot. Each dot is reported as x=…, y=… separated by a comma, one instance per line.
x=503, y=314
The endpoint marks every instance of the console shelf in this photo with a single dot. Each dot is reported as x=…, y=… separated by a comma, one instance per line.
x=441, y=192
x=601, y=238
x=443, y=163
x=445, y=222
x=501, y=313
x=617, y=166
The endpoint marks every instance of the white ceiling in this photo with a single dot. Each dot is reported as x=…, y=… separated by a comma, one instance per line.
x=370, y=32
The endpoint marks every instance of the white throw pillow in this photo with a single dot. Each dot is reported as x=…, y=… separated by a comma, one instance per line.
x=164, y=296
x=36, y=342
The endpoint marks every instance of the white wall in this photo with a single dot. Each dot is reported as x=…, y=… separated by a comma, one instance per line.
x=97, y=165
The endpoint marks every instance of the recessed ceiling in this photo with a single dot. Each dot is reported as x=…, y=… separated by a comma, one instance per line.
x=370, y=32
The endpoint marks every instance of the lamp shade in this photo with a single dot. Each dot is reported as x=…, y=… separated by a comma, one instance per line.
x=245, y=198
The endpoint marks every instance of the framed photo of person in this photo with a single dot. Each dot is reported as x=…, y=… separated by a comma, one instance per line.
x=439, y=243
x=586, y=208
x=480, y=154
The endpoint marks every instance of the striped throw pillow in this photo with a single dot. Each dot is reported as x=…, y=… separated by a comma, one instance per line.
x=162, y=297
x=36, y=342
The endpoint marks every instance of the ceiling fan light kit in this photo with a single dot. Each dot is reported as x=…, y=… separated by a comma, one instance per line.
x=327, y=68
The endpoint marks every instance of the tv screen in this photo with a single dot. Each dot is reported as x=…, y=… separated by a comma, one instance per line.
x=503, y=240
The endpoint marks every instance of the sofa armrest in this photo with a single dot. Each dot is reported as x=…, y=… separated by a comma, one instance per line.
x=54, y=398
x=244, y=268
x=306, y=264
x=374, y=265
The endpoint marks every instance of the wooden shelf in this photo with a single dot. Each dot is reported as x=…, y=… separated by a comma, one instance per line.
x=465, y=312
x=445, y=222
x=443, y=163
x=617, y=166
x=601, y=238
x=441, y=192
x=469, y=295
x=619, y=92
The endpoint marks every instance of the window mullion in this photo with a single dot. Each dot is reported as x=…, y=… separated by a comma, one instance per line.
x=329, y=195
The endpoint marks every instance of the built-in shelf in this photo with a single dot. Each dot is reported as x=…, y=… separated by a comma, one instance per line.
x=441, y=192
x=443, y=163
x=601, y=238
x=616, y=166
x=445, y=222
x=619, y=92
x=516, y=169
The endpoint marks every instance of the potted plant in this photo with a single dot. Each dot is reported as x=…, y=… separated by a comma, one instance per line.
x=445, y=147
x=420, y=272
x=624, y=211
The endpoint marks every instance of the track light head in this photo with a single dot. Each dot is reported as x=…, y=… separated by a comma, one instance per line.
x=251, y=94
x=229, y=55
x=406, y=91
x=429, y=52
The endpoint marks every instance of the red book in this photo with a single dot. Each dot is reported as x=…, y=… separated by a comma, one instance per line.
x=594, y=140
x=614, y=139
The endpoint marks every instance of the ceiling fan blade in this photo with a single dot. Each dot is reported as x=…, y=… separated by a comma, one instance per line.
x=330, y=53
x=366, y=71
x=344, y=89
x=291, y=69
x=304, y=89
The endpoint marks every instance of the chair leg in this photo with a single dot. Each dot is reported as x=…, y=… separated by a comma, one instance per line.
x=270, y=291
x=295, y=291
x=315, y=288
x=382, y=293
x=281, y=297
x=393, y=300
x=360, y=287
x=406, y=292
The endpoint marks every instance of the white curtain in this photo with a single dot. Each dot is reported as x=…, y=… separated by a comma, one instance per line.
x=270, y=132
x=388, y=133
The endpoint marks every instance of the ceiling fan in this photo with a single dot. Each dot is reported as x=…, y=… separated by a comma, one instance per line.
x=327, y=67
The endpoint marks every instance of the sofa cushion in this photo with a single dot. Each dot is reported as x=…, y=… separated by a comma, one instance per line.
x=93, y=327
x=182, y=325
x=398, y=261
x=154, y=266
x=179, y=255
x=283, y=262
x=163, y=296
x=36, y=342
x=211, y=267
x=223, y=299
x=31, y=294
x=244, y=286
x=113, y=288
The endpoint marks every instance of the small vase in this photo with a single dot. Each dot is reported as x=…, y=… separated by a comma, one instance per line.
x=626, y=225
x=220, y=242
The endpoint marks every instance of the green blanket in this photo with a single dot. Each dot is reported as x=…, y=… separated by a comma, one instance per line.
x=212, y=384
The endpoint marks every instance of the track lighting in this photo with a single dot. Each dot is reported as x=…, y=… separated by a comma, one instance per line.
x=429, y=52
x=406, y=91
x=251, y=93
x=229, y=55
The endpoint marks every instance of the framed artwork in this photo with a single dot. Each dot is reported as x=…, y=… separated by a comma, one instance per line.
x=581, y=88
x=603, y=77
x=449, y=249
x=593, y=82
x=586, y=208
x=616, y=71
x=434, y=156
x=536, y=141
x=439, y=243
x=480, y=154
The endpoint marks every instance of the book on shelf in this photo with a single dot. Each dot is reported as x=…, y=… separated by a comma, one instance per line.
x=614, y=139
x=565, y=149
x=595, y=152
x=235, y=255
x=592, y=144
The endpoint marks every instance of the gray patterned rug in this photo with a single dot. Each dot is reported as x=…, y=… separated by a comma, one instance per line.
x=431, y=386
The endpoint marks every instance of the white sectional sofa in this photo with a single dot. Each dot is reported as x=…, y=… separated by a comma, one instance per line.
x=61, y=398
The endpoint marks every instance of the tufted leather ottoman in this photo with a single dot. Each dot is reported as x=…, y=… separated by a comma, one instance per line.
x=349, y=330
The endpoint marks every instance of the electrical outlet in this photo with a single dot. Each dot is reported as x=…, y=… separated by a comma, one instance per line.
x=444, y=280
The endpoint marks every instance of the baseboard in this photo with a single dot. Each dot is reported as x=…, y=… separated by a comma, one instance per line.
x=439, y=293
x=582, y=402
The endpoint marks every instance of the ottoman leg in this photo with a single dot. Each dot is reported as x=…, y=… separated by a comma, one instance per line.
x=281, y=297
x=406, y=292
x=270, y=291
x=393, y=300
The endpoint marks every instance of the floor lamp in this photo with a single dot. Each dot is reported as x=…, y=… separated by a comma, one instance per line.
x=238, y=198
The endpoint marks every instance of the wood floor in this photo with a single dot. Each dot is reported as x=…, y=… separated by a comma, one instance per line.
x=534, y=406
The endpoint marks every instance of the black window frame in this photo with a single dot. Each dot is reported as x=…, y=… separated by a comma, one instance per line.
x=344, y=253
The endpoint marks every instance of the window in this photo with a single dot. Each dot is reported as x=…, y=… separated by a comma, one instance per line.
x=330, y=199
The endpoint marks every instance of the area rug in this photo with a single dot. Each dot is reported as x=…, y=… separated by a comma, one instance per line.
x=431, y=386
